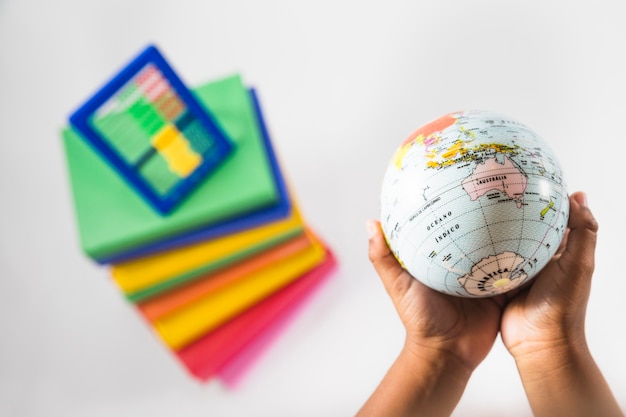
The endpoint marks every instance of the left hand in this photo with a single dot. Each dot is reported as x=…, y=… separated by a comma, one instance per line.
x=462, y=327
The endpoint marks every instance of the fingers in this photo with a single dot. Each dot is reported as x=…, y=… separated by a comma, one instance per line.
x=583, y=229
x=393, y=276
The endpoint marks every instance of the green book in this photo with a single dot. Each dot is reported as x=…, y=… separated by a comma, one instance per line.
x=112, y=218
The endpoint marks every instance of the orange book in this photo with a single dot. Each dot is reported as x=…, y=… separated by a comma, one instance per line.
x=179, y=297
x=184, y=325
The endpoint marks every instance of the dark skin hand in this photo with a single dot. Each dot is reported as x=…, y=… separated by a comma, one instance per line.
x=542, y=326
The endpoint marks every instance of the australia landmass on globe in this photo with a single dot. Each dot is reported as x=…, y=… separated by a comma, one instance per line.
x=490, y=174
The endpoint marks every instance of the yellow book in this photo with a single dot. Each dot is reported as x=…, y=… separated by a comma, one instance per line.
x=187, y=324
x=142, y=273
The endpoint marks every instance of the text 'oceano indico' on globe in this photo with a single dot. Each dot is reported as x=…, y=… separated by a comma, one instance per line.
x=474, y=204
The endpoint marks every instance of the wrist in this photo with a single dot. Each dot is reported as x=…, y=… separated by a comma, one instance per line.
x=464, y=354
x=549, y=341
x=536, y=359
x=422, y=381
x=439, y=359
x=562, y=379
x=425, y=379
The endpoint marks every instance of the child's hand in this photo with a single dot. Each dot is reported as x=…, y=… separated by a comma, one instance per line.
x=551, y=312
x=543, y=327
x=446, y=338
x=463, y=327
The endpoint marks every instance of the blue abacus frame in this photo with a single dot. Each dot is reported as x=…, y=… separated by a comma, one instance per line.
x=222, y=147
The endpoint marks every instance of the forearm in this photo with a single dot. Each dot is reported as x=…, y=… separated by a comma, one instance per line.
x=566, y=381
x=425, y=383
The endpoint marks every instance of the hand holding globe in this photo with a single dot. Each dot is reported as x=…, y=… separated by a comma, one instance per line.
x=473, y=207
x=542, y=326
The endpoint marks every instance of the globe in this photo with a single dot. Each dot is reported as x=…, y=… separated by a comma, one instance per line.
x=474, y=204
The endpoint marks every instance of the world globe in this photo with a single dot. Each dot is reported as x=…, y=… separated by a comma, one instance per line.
x=474, y=204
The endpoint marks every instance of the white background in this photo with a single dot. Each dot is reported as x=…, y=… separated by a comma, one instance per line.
x=342, y=84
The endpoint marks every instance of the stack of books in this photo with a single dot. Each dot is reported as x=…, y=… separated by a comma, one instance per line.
x=224, y=268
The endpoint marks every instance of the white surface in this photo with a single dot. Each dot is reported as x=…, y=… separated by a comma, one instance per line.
x=342, y=84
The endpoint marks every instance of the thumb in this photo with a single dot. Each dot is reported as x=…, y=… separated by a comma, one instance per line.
x=395, y=279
